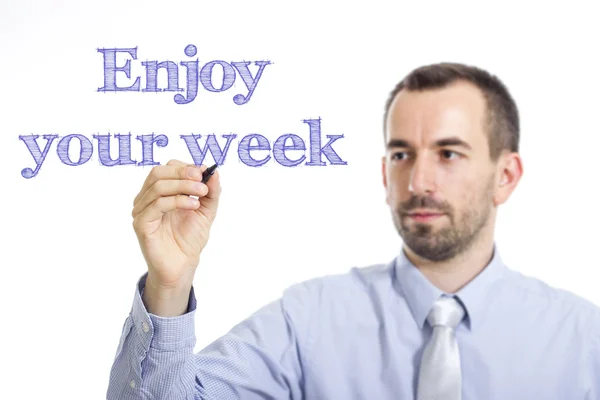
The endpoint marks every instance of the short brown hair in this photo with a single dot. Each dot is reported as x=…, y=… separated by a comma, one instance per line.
x=502, y=113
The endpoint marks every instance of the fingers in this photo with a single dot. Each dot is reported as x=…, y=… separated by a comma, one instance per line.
x=162, y=205
x=169, y=188
x=177, y=163
x=173, y=170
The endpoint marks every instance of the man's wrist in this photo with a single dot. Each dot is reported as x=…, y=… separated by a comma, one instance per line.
x=166, y=301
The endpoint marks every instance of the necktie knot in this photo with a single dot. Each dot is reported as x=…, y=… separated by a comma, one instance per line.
x=440, y=371
x=446, y=311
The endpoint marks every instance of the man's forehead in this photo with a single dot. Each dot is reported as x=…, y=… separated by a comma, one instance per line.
x=454, y=111
x=458, y=96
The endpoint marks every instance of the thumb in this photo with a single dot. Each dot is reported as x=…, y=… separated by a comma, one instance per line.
x=209, y=203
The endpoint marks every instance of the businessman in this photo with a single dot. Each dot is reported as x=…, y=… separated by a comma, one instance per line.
x=446, y=319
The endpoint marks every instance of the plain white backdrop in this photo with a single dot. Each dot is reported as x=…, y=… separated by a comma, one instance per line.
x=70, y=258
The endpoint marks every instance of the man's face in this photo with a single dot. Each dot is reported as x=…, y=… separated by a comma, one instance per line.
x=439, y=177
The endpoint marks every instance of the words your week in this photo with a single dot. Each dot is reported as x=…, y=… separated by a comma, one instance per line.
x=194, y=75
x=288, y=150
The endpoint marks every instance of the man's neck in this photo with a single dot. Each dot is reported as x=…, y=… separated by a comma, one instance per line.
x=451, y=275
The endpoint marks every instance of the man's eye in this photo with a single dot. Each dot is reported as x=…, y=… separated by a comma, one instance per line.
x=398, y=155
x=448, y=153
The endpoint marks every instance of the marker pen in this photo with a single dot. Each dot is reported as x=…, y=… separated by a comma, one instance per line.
x=208, y=173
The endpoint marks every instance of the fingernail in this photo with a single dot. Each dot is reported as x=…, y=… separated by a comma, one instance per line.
x=194, y=173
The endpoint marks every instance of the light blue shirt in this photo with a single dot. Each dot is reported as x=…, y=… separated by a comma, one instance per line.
x=360, y=335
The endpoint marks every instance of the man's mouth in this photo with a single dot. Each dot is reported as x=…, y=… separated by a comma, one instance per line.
x=424, y=216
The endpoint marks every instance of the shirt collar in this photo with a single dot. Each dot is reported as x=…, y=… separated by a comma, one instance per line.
x=421, y=294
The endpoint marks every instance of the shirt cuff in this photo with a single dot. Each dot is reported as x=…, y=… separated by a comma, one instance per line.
x=163, y=333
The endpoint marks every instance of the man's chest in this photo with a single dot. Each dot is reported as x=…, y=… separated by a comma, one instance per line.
x=369, y=362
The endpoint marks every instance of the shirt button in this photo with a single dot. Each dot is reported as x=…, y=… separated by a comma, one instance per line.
x=132, y=384
x=145, y=327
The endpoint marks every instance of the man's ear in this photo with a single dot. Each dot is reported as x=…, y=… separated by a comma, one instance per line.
x=384, y=179
x=510, y=174
x=383, y=172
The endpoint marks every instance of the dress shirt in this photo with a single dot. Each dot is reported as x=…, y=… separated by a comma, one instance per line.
x=361, y=334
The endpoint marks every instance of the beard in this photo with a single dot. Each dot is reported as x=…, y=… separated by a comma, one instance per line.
x=443, y=244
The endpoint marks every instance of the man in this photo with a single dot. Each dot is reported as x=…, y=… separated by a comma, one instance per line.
x=445, y=320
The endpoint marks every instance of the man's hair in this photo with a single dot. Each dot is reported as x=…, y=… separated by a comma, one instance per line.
x=502, y=115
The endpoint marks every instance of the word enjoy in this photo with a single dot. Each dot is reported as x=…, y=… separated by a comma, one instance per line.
x=253, y=142
x=204, y=76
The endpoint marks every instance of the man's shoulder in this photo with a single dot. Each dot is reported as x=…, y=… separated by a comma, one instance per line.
x=555, y=297
x=352, y=282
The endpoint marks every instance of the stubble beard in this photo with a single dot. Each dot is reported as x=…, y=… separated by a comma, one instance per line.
x=446, y=243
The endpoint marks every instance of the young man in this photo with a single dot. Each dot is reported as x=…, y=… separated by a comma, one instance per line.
x=445, y=320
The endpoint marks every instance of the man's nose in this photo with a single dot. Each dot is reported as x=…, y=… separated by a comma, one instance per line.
x=422, y=177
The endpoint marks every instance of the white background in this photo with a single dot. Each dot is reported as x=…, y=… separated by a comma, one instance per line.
x=70, y=258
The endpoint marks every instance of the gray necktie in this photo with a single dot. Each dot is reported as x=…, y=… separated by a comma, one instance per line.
x=440, y=373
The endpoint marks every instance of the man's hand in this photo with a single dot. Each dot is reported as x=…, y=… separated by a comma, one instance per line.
x=173, y=228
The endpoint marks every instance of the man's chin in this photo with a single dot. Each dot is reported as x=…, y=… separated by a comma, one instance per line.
x=424, y=229
x=428, y=247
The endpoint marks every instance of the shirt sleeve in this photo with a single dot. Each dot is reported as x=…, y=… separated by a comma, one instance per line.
x=260, y=358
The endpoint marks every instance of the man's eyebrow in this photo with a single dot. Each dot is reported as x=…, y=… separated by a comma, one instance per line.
x=451, y=141
x=392, y=143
